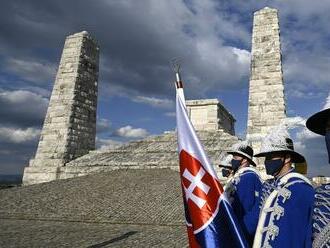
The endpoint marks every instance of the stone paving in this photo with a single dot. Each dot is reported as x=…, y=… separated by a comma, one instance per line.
x=123, y=208
x=34, y=233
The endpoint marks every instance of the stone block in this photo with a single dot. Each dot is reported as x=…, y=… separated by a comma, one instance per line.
x=40, y=174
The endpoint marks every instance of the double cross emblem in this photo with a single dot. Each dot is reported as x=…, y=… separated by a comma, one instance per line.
x=195, y=181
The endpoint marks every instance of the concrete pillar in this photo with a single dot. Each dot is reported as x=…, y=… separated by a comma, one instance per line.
x=70, y=125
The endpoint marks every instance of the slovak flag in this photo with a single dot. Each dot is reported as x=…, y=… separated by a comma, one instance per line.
x=209, y=217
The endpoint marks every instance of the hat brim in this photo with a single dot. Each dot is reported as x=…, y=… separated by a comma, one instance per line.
x=244, y=155
x=317, y=122
x=295, y=156
x=225, y=166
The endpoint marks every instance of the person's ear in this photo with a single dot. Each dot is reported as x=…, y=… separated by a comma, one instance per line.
x=287, y=158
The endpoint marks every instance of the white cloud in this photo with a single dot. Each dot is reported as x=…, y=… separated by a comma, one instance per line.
x=103, y=125
x=312, y=146
x=105, y=144
x=303, y=93
x=293, y=122
x=33, y=71
x=154, y=102
x=327, y=102
x=306, y=70
x=170, y=114
x=18, y=135
x=306, y=134
x=23, y=97
x=130, y=132
x=243, y=56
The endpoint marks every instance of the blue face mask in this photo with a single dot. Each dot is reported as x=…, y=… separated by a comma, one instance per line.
x=273, y=166
x=327, y=142
x=235, y=164
x=225, y=172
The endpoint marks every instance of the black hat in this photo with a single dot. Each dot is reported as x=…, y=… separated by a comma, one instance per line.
x=242, y=148
x=229, y=167
x=317, y=123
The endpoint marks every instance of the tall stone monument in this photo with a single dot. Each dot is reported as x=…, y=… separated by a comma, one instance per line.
x=266, y=92
x=70, y=124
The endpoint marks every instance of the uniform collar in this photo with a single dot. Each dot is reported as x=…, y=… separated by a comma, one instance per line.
x=277, y=180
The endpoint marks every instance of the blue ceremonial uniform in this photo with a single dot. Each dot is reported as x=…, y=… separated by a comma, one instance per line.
x=321, y=217
x=286, y=216
x=244, y=191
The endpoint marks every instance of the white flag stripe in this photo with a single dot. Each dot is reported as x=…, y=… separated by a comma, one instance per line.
x=180, y=93
x=185, y=128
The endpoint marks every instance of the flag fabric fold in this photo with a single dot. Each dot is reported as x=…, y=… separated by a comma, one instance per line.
x=209, y=217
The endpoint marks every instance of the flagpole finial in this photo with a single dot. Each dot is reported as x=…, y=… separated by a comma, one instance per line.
x=176, y=67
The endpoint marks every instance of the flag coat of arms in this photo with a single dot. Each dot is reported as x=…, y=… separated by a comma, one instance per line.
x=209, y=217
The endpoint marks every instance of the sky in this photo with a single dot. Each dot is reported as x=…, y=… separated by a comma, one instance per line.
x=137, y=40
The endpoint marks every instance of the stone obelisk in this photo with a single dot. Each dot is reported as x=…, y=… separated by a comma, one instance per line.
x=266, y=91
x=70, y=124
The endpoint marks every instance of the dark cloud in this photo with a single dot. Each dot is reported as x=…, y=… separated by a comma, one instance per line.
x=16, y=155
x=31, y=71
x=137, y=40
x=21, y=108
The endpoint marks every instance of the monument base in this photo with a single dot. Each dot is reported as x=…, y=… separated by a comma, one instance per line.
x=39, y=174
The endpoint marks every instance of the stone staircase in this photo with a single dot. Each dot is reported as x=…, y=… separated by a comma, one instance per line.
x=153, y=152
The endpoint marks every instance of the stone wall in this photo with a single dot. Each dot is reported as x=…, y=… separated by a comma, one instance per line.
x=70, y=125
x=210, y=114
x=266, y=92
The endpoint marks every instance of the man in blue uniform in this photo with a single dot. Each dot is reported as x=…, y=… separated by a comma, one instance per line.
x=319, y=123
x=286, y=216
x=244, y=188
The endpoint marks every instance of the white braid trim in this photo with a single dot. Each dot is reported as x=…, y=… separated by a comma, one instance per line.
x=262, y=219
x=258, y=236
x=290, y=175
x=229, y=183
x=238, y=173
x=242, y=170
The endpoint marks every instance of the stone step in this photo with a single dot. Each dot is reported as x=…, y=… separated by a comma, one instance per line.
x=156, y=150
